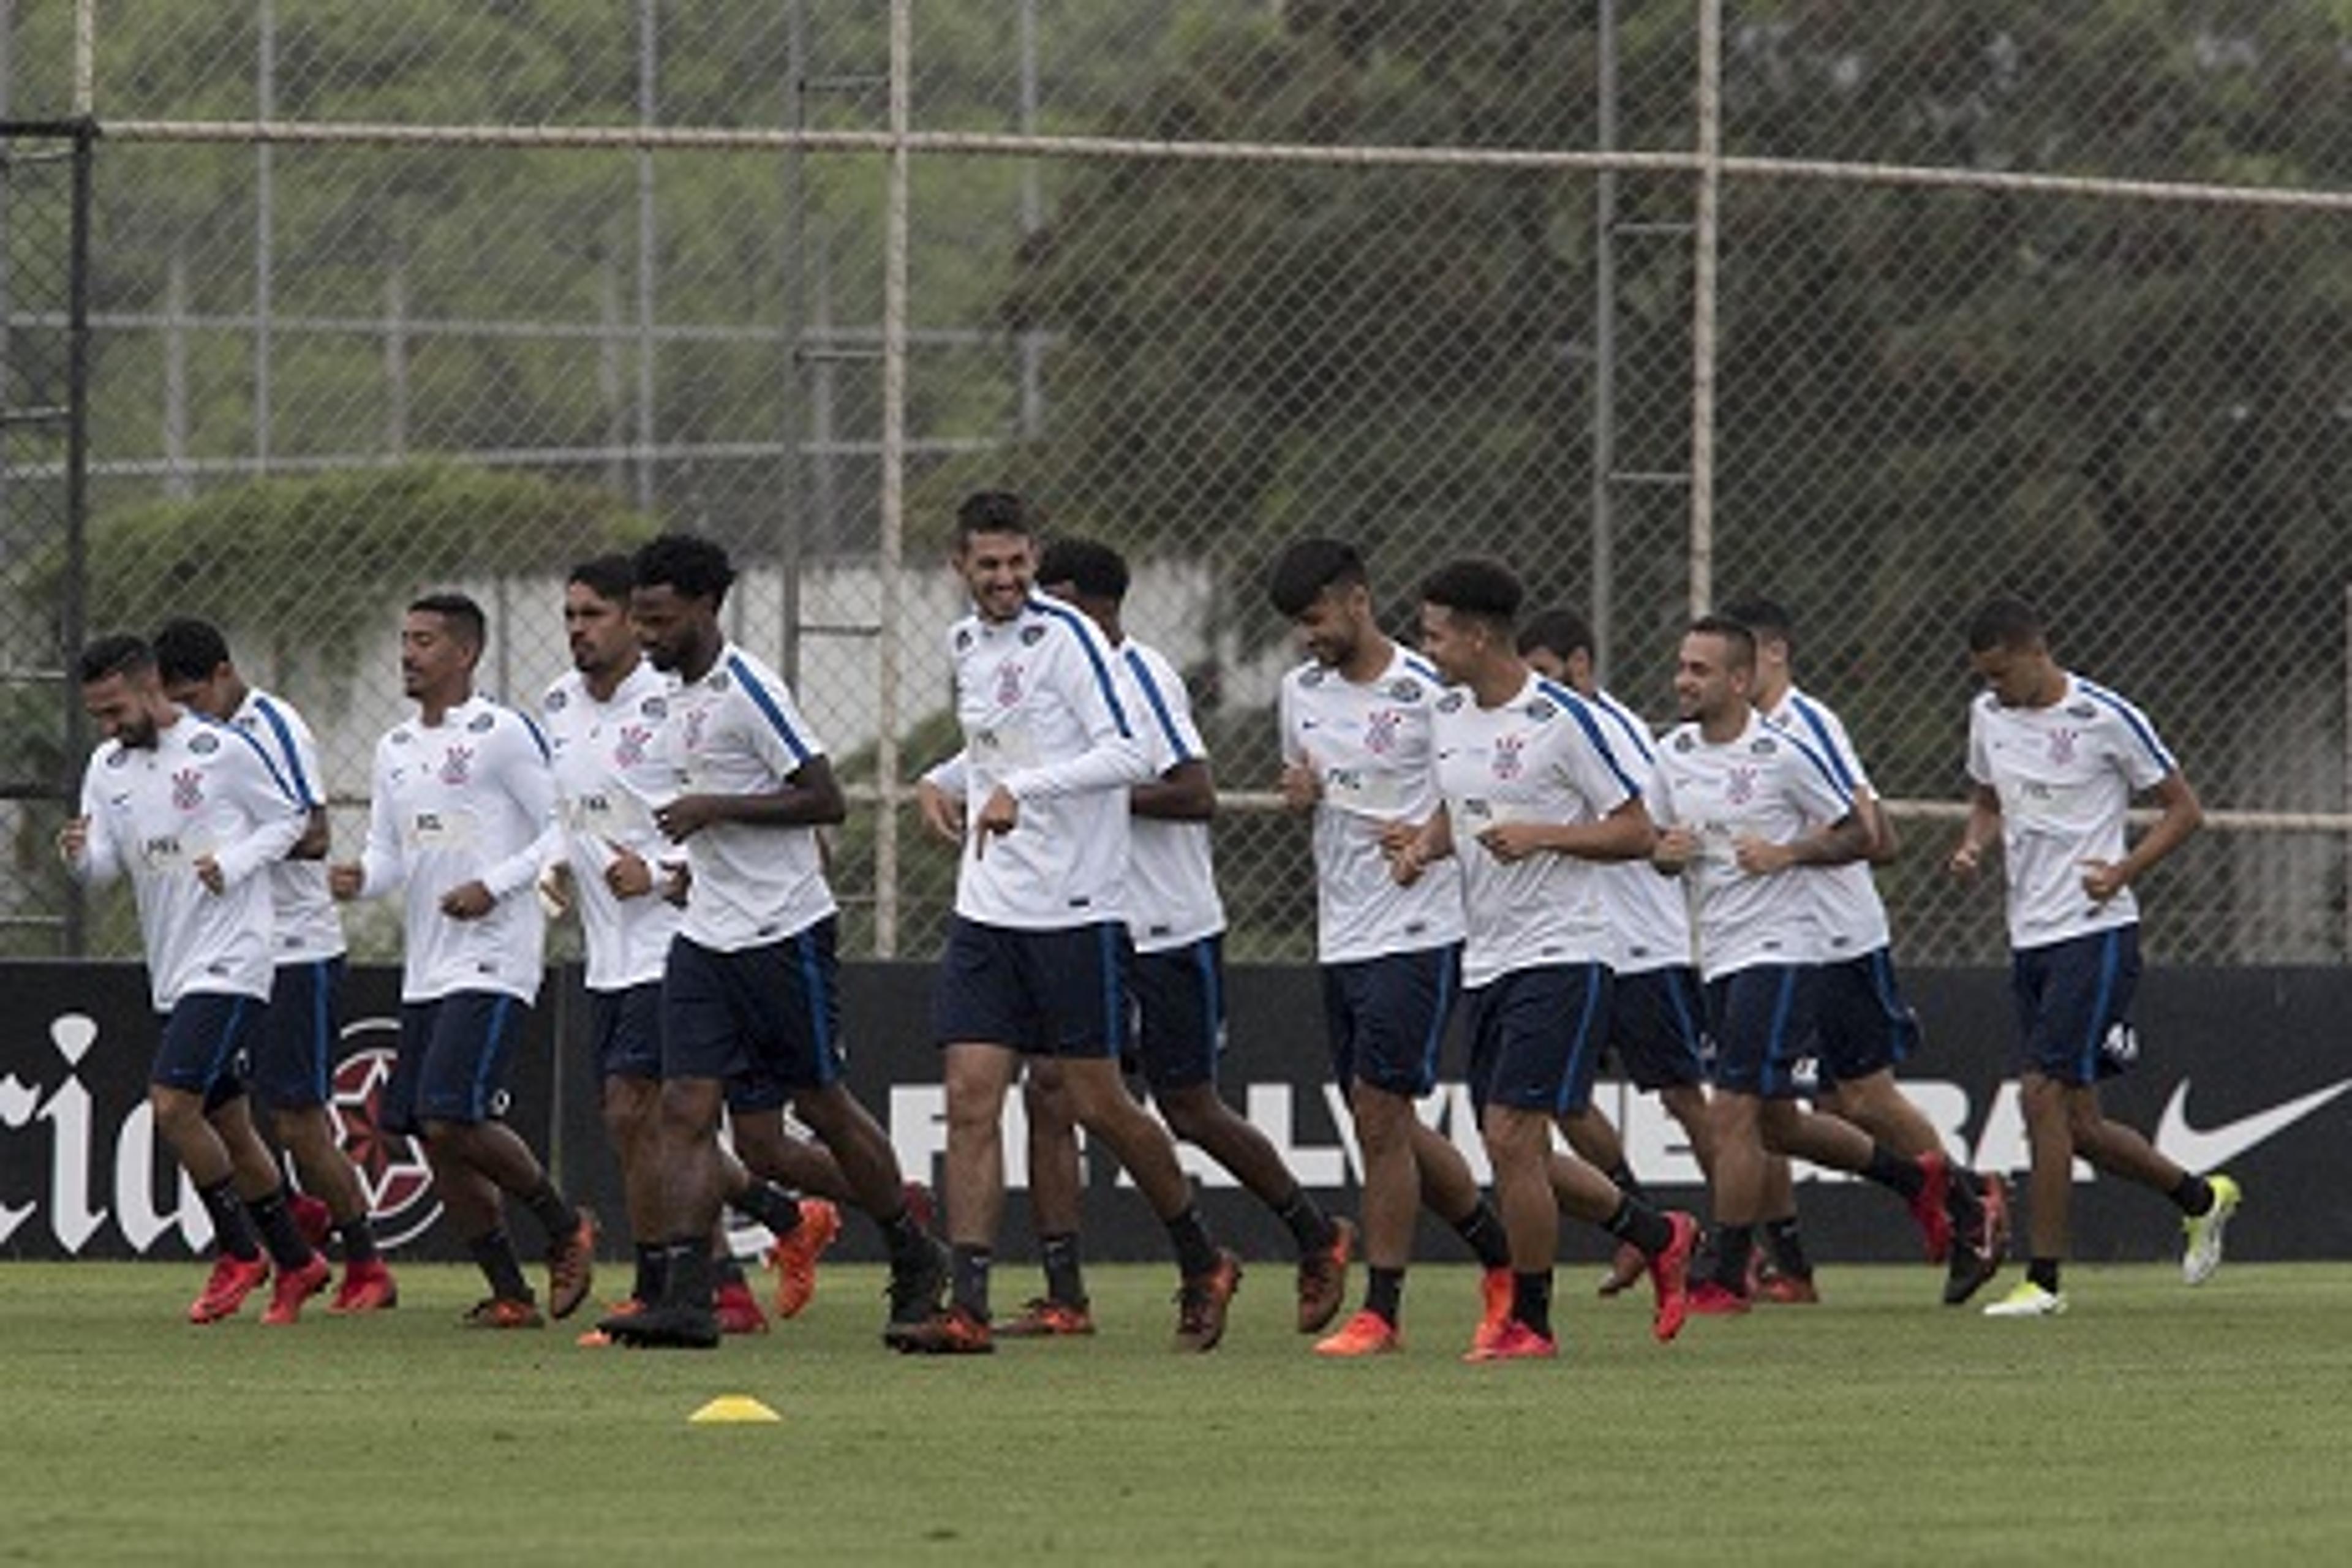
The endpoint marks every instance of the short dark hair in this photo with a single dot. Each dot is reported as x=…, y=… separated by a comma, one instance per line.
x=2005, y=622
x=1476, y=589
x=1308, y=568
x=609, y=577
x=189, y=649
x=1092, y=567
x=1736, y=637
x=1764, y=617
x=1558, y=631
x=118, y=653
x=994, y=511
x=460, y=611
x=686, y=563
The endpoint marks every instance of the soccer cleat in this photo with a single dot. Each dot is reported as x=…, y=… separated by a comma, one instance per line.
x=671, y=1326
x=1714, y=1299
x=502, y=1312
x=1515, y=1342
x=1323, y=1278
x=949, y=1331
x=1626, y=1267
x=1670, y=1278
x=571, y=1266
x=1494, y=1293
x=225, y=1290
x=1365, y=1333
x=914, y=1292
x=1202, y=1302
x=367, y=1287
x=1043, y=1318
x=922, y=1206
x=1786, y=1291
x=594, y=1339
x=795, y=1254
x=312, y=1218
x=738, y=1310
x=2027, y=1300
x=1977, y=1257
x=286, y=1297
x=2201, y=1233
x=1927, y=1208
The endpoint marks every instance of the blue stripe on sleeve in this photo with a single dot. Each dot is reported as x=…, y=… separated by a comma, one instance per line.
x=1632, y=727
x=284, y=733
x=1812, y=718
x=1078, y=627
x=1805, y=749
x=2131, y=718
x=766, y=703
x=1151, y=689
x=1424, y=669
x=537, y=736
x=1574, y=704
x=263, y=753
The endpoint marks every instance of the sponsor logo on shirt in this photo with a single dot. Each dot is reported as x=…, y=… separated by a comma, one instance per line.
x=1509, y=759
x=654, y=708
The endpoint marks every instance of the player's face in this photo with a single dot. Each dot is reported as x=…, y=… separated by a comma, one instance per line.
x=1705, y=685
x=1329, y=630
x=1455, y=645
x=669, y=625
x=997, y=569
x=598, y=629
x=209, y=696
x=2013, y=675
x=1546, y=663
x=433, y=660
x=123, y=708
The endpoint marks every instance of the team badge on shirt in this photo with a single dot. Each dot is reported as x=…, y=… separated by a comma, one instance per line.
x=1008, y=683
x=203, y=745
x=1405, y=691
x=1540, y=709
x=1381, y=732
x=1032, y=635
x=632, y=747
x=1739, y=785
x=2062, y=745
x=457, y=765
x=556, y=699
x=654, y=708
x=481, y=723
x=187, y=789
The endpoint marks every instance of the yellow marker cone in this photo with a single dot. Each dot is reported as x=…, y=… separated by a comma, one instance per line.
x=730, y=1408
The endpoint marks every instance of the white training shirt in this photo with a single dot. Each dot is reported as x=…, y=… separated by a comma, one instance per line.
x=308, y=926
x=1369, y=748
x=1649, y=915
x=1767, y=784
x=1042, y=713
x=462, y=801
x=610, y=773
x=738, y=732
x=1854, y=917
x=2066, y=775
x=1171, y=889
x=201, y=789
x=1538, y=757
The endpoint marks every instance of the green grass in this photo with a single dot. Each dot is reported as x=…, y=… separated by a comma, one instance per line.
x=2155, y=1424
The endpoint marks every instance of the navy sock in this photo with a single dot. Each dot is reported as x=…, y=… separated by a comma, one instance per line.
x=1195, y=1254
x=769, y=1205
x=1310, y=1227
x=1385, y=1294
x=278, y=1233
x=494, y=1255
x=2043, y=1271
x=1733, y=1245
x=1065, y=1279
x=970, y=1290
x=232, y=1227
x=909, y=1248
x=648, y=1289
x=1624, y=1179
x=1531, y=1301
x=358, y=1237
x=691, y=1275
x=2194, y=1194
x=1482, y=1232
x=1644, y=1226
x=552, y=1210
x=1787, y=1248
x=1889, y=1169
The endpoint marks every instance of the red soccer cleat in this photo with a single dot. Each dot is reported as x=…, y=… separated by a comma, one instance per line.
x=1516, y=1342
x=1927, y=1209
x=1323, y=1278
x=950, y=1330
x=795, y=1256
x=738, y=1310
x=314, y=1219
x=367, y=1287
x=224, y=1291
x=1202, y=1302
x=1043, y=1318
x=1788, y=1289
x=571, y=1266
x=1670, y=1278
x=286, y=1297
x=502, y=1312
x=1712, y=1299
x=1365, y=1333
x=1495, y=1292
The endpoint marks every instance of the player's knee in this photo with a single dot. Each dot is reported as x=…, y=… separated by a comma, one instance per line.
x=1515, y=1136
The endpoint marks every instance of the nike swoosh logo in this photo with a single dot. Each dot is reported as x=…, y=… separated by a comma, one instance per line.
x=2208, y=1149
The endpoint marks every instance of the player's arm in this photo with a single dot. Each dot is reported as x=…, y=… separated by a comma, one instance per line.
x=1079, y=672
x=1981, y=833
x=1884, y=845
x=1181, y=789
x=1412, y=847
x=1626, y=832
x=940, y=797
x=86, y=844
x=809, y=796
x=1185, y=792
x=381, y=867
x=2181, y=815
x=279, y=819
x=1300, y=783
x=1814, y=790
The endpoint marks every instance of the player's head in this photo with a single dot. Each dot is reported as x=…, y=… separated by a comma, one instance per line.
x=1320, y=586
x=996, y=552
x=119, y=690
x=441, y=639
x=192, y=660
x=2011, y=653
x=678, y=582
x=1715, y=670
x=1557, y=645
x=1087, y=574
x=1469, y=611
x=596, y=616
x=1768, y=621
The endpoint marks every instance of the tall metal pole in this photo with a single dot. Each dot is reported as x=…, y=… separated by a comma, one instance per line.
x=1033, y=218
x=264, y=214
x=792, y=509
x=648, y=32
x=1704, y=217
x=74, y=612
x=894, y=462
x=1604, y=344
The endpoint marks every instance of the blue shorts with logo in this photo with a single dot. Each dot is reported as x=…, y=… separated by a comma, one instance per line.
x=1658, y=1026
x=1386, y=1017
x=765, y=1021
x=1861, y=1023
x=1762, y=1019
x=204, y=1036
x=1057, y=992
x=293, y=1054
x=1534, y=1038
x=1180, y=1007
x=624, y=1030
x=2073, y=1004
x=452, y=1065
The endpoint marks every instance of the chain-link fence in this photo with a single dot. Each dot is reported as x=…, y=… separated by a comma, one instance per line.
x=2048, y=297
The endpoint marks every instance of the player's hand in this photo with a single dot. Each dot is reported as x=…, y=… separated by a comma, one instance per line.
x=1407, y=857
x=1676, y=847
x=2103, y=879
x=467, y=902
x=554, y=889
x=73, y=841
x=345, y=881
x=686, y=815
x=1512, y=841
x=942, y=813
x=1965, y=861
x=1762, y=857
x=1000, y=812
x=1301, y=785
x=209, y=872
x=628, y=876
x=677, y=880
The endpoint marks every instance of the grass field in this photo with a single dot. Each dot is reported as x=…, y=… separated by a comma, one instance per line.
x=2155, y=1424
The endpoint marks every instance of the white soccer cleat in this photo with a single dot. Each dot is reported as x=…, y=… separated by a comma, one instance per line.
x=2027, y=1300
x=2200, y=1253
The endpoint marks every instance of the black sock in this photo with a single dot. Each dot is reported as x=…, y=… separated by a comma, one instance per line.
x=726, y=1268
x=1195, y=1254
x=552, y=1210
x=1787, y=1248
x=1065, y=1279
x=689, y=1276
x=651, y=1270
x=1482, y=1232
x=970, y=1290
x=1621, y=1175
x=357, y=1238
x=1644, y=1226
x=769, y=1205
x=232, y=1227
x=1889, y=1169
x=909, y=1248
x=1385, y=1294
x=2194, y=1194
x=2043, y=1271
x=1310, y=1227
x=276, y=1223
x=494, y=1255
x=1733, y=1244
x=1531, y=1301
x=1962, y=1200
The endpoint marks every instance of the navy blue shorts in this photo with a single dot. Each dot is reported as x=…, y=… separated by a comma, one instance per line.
x=1386, y=1017
x=1762, y=1017
x=452, y=1065
x=206, y=1034
x=293, y=1051
x=1179, y=1005
x=2073, y=1004
x=765, y=1021
x=1534, y=1038
x=1058, y=993
x=626, y=1031
x=1658, y=1026
x=1861, y=1023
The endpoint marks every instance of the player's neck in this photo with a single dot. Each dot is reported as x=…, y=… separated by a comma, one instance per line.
x=432, y=710
x=1722, y=728
x=702, y=657
x=1771, y=691
x=1371, y=661
x=603, y=683
x=1497, y=683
